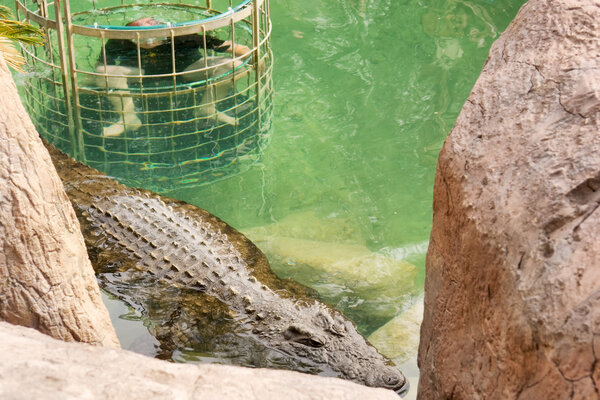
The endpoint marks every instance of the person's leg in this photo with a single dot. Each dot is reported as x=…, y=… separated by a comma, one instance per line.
x=114, y=77
x=218, y=89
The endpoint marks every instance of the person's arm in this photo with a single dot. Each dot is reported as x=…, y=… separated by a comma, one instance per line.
x=212, y=43
x=226, y=46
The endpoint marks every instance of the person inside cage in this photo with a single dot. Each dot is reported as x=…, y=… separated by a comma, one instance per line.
x=120, y=59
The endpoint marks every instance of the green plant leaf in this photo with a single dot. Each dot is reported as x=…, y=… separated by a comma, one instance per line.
x=15, y=31
x=20, y=32
x=5, y=12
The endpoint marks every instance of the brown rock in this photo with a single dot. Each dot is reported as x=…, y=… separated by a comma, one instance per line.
x=35, y=366
x=46, y=279
x=512, y=294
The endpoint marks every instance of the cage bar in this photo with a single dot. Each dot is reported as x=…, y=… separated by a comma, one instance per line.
x=202, y=113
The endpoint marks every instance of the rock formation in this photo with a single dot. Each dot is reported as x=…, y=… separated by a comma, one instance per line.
x=46, y=279
x=75, y=371
x=512, y=294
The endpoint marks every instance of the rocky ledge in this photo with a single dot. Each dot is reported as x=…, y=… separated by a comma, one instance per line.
x=36, y=366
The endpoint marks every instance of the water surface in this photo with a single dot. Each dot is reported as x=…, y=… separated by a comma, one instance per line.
x=365, y=93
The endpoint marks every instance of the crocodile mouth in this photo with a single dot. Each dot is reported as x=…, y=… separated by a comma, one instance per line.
x=402, y=388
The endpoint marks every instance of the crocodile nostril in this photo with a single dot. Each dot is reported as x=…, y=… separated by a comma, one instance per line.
x=394, y=380
x=391, y=380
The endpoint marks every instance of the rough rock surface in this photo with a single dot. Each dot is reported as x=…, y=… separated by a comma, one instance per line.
x=330, y=249
x=46, y=279
x=35, y=366
x=399, y=338
x=512, y=294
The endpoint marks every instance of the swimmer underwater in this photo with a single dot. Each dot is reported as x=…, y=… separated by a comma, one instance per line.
x=120, y=59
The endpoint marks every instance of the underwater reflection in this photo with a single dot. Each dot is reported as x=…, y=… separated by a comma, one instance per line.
x=455, y=24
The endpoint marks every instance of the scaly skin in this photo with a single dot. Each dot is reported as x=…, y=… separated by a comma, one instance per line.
x=205, y=287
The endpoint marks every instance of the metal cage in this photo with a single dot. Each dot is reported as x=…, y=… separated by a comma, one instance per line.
x=175, y=125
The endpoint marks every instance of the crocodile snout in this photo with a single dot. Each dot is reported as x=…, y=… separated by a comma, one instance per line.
x=393, y=379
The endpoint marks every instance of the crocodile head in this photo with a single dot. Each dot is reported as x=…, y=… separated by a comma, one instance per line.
x=325, y=339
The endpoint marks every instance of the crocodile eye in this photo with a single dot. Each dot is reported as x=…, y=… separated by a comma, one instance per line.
x=311, y=342
x=302, y=336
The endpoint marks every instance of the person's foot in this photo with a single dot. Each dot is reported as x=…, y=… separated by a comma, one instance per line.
x=131, y=123
x=222, y=117
x=114, y=130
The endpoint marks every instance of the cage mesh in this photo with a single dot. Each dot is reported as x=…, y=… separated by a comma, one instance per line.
x=192, y=125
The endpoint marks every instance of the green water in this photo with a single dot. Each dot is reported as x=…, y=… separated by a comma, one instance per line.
x=365, y=93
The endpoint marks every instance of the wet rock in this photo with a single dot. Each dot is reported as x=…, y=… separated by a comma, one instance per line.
x=335, y=247
x=35, y=366
x=399, y=338
x=512, y=294
x=329, y=255
x=46, y=279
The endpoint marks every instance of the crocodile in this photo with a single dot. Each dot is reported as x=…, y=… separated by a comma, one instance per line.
x=205, y=287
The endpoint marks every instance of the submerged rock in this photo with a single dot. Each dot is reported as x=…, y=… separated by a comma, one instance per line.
x=399, y=338
x=512, y=293
x=354, y=265
x=307, y=225
x=329, y=255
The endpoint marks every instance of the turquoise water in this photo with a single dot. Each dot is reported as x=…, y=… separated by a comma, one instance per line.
x=365, y=93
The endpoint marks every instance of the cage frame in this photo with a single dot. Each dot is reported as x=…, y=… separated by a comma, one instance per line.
x=256, y=11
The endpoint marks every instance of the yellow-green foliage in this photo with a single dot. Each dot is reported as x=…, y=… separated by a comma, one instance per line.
x=15, y=31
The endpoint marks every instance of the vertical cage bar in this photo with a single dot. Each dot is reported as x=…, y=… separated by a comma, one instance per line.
x=173, y=61
x=205, y=54
x=76, y=110
x=64, y=72
x=207, y=83
x=43, y=8
x=139, y=57
x=174, y=98
x=234, y=80
x=103, y=44
x=256, y=55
